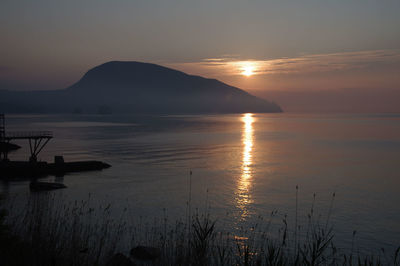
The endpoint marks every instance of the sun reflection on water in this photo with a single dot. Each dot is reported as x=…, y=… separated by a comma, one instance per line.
x=243, y=197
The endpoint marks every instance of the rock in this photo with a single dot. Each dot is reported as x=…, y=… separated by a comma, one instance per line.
x=84, y=250
x=145, y=253
x=120, y=260
x=43, y=186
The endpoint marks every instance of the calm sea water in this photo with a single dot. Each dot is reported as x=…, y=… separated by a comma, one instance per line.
x=243, y=166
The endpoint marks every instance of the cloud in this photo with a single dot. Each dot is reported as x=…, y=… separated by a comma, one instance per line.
x=307, y=63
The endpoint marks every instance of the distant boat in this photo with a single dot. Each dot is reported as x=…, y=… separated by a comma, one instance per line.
x=44, y=186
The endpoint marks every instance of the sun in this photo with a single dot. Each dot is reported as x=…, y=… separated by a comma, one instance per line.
x=248, y=70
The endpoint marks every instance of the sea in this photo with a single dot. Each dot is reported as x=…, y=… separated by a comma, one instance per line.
x=241, y=169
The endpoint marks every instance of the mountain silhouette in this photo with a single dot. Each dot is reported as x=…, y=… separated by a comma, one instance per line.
x=135, y=87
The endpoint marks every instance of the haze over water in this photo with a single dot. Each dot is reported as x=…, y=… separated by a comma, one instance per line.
x=244, y=166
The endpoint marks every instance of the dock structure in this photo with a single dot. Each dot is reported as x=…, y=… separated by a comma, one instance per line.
x=3, y=153
x=2, y=127
x=35, y=169
x=37, y=140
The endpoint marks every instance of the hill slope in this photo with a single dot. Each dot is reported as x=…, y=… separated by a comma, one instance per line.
x=136, y=87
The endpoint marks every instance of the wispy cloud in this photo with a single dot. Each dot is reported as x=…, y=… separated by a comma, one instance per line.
x=307, y=63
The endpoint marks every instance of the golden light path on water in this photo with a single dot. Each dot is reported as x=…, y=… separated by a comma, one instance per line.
x=243, y=197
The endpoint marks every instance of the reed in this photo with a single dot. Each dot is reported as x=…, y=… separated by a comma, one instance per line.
x=51, y=232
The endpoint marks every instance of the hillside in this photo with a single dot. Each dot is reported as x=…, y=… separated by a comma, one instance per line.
x=134, y=87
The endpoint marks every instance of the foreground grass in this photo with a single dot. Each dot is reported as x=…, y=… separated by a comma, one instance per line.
x=48, y=232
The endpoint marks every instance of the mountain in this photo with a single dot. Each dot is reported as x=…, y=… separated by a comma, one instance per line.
x=134, y=87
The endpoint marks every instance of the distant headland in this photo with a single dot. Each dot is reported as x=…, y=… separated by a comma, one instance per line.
x=135, y=87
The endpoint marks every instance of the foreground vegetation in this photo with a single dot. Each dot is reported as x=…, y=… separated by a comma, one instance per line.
x=48, y=232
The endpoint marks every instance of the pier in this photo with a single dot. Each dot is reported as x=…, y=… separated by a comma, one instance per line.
x=37, y=141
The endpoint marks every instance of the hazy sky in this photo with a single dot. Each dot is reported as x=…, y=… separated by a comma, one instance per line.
x=308, y=55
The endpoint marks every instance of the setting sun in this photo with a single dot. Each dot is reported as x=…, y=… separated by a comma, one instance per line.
x=247, y=69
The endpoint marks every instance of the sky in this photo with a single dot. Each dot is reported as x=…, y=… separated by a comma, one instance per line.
x=307, y=55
